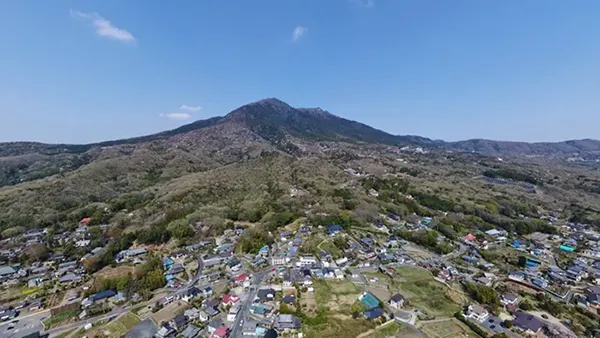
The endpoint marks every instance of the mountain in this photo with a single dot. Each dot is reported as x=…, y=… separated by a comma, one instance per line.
x=263, y=127
x=583, y=148
x=241, y=165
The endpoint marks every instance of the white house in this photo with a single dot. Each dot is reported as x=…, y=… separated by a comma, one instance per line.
x=232, y=313
x=341, y=261
x=307, y=260
x=280, y=260
x=397, y=301
x=478, y=313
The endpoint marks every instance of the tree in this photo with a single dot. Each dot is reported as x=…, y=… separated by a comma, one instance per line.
x=526, y=305
x=36, y=252
x=483, y=294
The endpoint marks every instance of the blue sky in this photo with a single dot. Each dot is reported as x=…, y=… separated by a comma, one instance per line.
x=83, y=71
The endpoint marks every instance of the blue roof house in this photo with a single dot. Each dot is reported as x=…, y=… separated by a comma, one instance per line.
x=373, y=313
x=167, y=263
x=334, y=228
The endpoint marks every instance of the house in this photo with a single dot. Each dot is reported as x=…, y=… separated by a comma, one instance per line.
x=509, y=299
x=70, y=278
x=250, y=328
x=373, y=313
x=477, y=312
x=397, y=301
x=279, y=260
x=517, y=275
x=307, y=260
x=82, y=243
x=165, y=332
x=221, y=332
x=214, y=325
x=191, y=331
x=284, y=235
x=484, y=280
x=527, y=323
x=264, y=251
x=207, y=292
x=230, y=299
x=7, y=271
x=289, y=299
x=240, y=279
x=192, y=314
x=266, y=295
x=104, y=295
x=286, y=322
x=189, y=294
x=232, y=314
x=179, y=322
x=333, y=229
x=593, y=299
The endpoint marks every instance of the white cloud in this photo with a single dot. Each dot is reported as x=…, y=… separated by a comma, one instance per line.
x=298, y=33
x=190, y=108
x=177, y=116
x=104, y=27
x=364, y=3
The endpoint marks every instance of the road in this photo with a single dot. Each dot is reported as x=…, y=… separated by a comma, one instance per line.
x=194, y=280
x=24, y=325
x=242, y=317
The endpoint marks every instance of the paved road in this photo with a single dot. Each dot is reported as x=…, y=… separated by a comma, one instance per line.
x=242, y=317
x=194, y=280
x=23, y=326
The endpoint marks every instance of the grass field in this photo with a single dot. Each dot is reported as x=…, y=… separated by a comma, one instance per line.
x=344, y=287
x=168, y=312
x=409, y=332
x=65, y=334
x=335, y=296
x=448, y=329
x=110, y=272
x=426, y=294
x=61, y=318
x=334, y=300
x=387, y=331
x=336, y=327
x=119, y=327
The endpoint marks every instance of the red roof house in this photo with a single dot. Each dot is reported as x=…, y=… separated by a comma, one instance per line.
x=470, y=238
x=221, y=332
x=86, y=220
x=241, y=278
x=230, y=299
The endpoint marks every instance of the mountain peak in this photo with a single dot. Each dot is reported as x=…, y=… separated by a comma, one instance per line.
x=272, y=101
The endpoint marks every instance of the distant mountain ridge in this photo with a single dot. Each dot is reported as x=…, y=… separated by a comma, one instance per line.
x=275, y=121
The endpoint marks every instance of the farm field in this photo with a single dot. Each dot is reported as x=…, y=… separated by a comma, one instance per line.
x=327, y=311
x=168, y=312
x=426, y=294
x=119, y=327
x=450, y=328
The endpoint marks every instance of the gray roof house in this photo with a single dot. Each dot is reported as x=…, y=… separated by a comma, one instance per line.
x=191, y=331
x=527, y=323
x=287, y=322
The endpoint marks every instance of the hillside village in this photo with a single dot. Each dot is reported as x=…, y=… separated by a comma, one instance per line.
x=398, y=276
